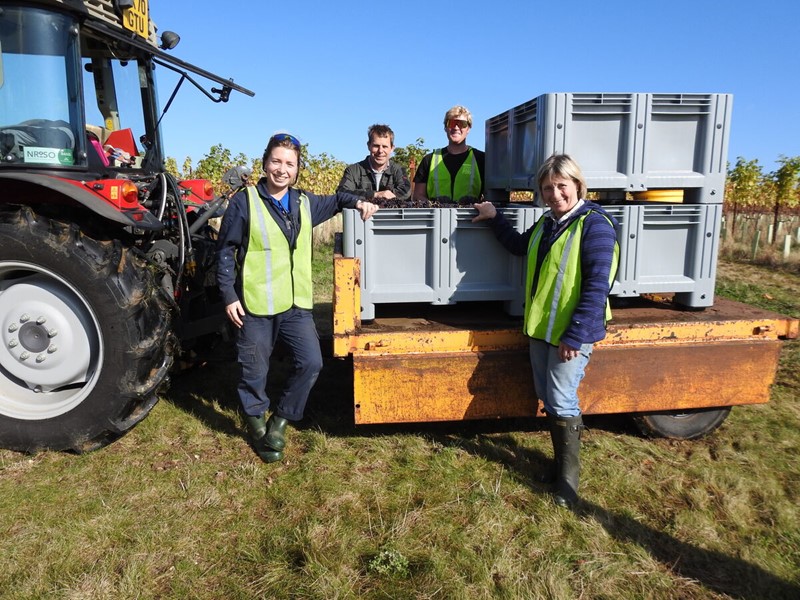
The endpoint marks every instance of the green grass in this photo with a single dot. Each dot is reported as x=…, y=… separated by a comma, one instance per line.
x=322, y=272
x=182, y=508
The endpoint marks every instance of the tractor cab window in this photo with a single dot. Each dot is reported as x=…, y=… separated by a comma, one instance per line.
x=113, y=91
x=71, y=97
x=40, y=116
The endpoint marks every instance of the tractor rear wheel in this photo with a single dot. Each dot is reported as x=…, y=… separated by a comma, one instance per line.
x=85, y=336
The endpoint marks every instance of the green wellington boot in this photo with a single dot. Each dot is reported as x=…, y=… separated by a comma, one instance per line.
x=275, y=437
x=257, y=427
x=566, y=436
x=268, y=455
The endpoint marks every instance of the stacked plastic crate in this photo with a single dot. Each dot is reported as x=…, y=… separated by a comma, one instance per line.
x=657, y=161
x=436, y=256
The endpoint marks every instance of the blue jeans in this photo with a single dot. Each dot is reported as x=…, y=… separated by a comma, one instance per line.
x=556, y=381
x=254, y=346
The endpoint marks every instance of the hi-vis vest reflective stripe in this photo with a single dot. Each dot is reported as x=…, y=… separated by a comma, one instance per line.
x=468, y=179
x=273, y=277
x=548, y=311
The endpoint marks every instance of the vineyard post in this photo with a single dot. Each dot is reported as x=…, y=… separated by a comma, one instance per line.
x=756, y=240
x=412, y=171
x=775, y=219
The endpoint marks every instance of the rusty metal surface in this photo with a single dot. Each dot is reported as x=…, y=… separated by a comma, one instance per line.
x=418, y=334
x=623, y=379
x=636, y=313
x=441, y=387
x=725, y=316
x=484, y=327
x=418, y=363
x=619, y=379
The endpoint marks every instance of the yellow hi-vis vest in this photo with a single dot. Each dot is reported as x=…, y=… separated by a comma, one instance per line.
x=468, y=179
x=275, y=278
x=549, y=308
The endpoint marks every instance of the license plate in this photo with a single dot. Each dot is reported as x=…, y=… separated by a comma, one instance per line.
x=137, y=18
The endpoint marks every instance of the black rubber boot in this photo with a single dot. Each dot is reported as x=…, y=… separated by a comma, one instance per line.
x=566, y=436
x=275, y=437
x=551, y=470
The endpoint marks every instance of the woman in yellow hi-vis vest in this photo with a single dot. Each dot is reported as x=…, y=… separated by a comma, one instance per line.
x=264, y=275
x=572, y=256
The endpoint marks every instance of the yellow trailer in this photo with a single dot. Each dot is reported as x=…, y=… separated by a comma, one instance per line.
x=678, y=371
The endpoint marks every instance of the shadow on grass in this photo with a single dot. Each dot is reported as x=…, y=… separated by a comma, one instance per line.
x=716, y=571
x=208, y=392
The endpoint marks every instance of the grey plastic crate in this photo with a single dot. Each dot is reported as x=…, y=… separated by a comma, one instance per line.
x=625, y=141
x=436, y=256
x=498, y=155
x=439, y=256
x=668, y=248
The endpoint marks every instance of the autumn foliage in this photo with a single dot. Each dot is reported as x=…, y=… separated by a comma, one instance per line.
x=748, y=190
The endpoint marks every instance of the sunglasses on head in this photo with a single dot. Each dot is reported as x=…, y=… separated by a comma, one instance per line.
x=279, y=137
x=453, y=123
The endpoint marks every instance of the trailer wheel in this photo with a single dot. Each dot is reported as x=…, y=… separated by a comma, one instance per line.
x=682, y=424
x=84, y=336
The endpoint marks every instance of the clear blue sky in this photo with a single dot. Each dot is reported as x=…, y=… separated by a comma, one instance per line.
x=325, y=70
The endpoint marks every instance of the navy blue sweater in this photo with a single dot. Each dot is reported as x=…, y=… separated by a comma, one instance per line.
x=235, y=229
x=587, y=324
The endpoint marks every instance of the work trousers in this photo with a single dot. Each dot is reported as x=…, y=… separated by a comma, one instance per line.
x=255, y=343
x=556, y=381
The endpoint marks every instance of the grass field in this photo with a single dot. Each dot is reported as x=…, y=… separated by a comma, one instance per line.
x=181, y=507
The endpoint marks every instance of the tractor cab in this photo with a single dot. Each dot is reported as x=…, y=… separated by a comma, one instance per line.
x=78, y=91
x=71, y=100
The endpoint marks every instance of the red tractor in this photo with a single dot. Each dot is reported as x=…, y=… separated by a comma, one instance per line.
x=106, y=260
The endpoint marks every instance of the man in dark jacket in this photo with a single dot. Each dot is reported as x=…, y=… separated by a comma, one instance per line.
x=376, y=177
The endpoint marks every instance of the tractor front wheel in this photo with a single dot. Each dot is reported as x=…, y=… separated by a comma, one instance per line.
x=85, y=336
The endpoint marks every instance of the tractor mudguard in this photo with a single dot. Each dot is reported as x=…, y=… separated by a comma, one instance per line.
x=86, y=198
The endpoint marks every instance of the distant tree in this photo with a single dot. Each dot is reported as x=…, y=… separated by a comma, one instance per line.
x=412, y=152
x=320, y=172
x=744, y=185
x=786, y=187
x=171, y=165
x=257, y=168
x=187, y=167
x=787, y=181
x=214, y=164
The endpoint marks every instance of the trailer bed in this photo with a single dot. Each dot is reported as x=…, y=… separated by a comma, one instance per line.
x=419, y=363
